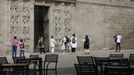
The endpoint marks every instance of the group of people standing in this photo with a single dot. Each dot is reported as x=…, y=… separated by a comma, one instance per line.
x=68, y=44
x=71, y=44
x=17, y=44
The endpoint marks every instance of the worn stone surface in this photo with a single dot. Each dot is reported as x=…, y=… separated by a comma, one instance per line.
x=100, y=19
x=101, y=23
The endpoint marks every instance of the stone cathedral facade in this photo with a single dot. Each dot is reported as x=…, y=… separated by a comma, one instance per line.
x=100, y=19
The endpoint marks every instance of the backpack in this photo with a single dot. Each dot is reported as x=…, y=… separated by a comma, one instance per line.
x=40, y=43
x=115, y=38
x=21, y=45
x=73, y=40
x=67, y=40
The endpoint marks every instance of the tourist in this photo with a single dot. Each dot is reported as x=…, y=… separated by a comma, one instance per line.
x=41, y=45
x=14, y=43
x=86, y=44
x=22, y=48
x=63, y=45
x=118, y=43
x=73, y=43
x=66, y=43
x=52, y=44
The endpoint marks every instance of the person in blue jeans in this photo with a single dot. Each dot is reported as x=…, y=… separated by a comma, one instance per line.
x=21, y=45
x=14, y=42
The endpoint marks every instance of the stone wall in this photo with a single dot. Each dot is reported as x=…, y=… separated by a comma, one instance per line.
x=101, y=20
x=61, y=21
x=17, y=19
x=21, y=22
x=3, y=28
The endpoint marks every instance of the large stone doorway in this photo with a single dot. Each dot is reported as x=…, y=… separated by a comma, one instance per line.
x=41, y=26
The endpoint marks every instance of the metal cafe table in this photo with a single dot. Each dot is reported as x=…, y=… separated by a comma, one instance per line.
x=104, y=61
x=14, y=67
x=39, y=60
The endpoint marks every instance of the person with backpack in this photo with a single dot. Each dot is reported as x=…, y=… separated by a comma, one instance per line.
x=41, y=45
x=73, y=43
x=22, y=48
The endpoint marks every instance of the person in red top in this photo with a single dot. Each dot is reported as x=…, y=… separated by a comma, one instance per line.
x=14, y=43
x=22, y=46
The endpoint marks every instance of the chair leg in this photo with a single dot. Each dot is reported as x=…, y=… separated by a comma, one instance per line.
x=34, y=67
x=46, y=72
x=56, y=72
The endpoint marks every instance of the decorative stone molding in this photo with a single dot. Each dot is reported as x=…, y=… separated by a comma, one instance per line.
x=14, y=18
x=61, y=21
x=21, y=21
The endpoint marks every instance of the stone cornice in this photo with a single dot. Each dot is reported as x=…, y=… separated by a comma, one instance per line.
x=128, y=5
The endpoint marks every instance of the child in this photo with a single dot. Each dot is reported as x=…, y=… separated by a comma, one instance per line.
x=21, y=45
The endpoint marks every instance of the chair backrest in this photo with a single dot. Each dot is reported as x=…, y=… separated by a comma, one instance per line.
x=116, y=56
x=34, y=56
x=51, y=58
x=131, y=57
x=101, y=60
x=3, y=60
x=117, y=70
x=86, y=69
x=85, y=60
x=19, y=60
x=77, y=68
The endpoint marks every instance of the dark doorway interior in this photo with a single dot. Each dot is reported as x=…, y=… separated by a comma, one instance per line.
x=41, y=26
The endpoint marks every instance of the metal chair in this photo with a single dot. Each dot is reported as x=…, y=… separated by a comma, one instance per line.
x=53, y=60
x=85, y=60
x=115, y=59
x=35, y=62
x=116, y=56
x=20, y=70
x=131, y=62
x=101, y=62
x=19, y=60
x=77, y=68
x=87, y=65
x=131, y=59
x=3, y=60
x=117, y=70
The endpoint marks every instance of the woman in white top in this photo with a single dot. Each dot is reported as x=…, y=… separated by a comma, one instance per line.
x=73, y=43
x=118, y=42
x=52, y=44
